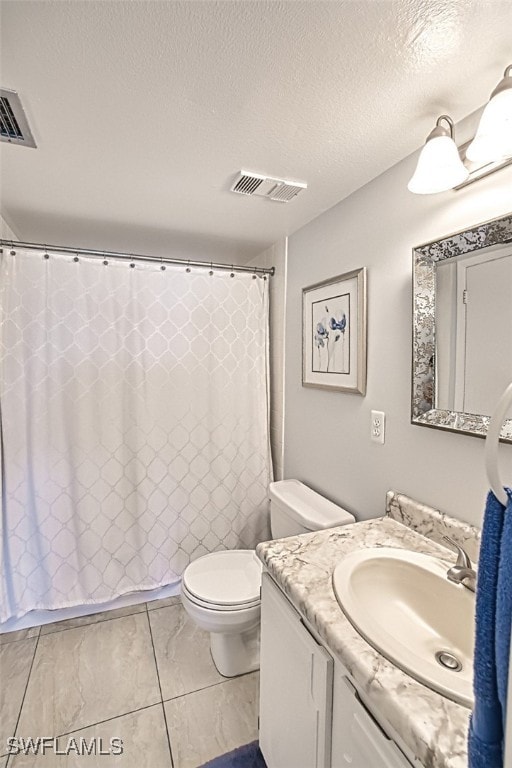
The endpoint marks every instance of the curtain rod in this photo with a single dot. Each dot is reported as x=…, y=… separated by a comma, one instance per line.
x=138, y=257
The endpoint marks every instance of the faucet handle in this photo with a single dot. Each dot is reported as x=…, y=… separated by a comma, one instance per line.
x=463, y=559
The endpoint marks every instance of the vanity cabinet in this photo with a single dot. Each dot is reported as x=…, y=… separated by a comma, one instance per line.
x=311, y=715
x=296, y=676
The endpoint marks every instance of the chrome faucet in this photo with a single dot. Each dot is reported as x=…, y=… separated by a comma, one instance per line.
x=462, y=572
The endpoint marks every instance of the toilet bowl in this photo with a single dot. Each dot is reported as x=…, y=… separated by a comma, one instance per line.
x=221, y=591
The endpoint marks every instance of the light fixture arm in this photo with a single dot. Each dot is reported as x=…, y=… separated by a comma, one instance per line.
x=505, y=83
x=440, y=130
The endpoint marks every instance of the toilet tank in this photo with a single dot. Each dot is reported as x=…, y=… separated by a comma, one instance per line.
x=295, y=508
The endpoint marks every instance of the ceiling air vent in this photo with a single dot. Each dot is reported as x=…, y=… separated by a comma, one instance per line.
x=247, y=183
x=13, y=121
x=280, y=190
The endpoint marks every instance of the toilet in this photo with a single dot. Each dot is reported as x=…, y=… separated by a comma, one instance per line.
x=221, y=591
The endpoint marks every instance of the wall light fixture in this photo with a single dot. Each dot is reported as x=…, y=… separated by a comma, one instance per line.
x=439, y=164
x=493, y=139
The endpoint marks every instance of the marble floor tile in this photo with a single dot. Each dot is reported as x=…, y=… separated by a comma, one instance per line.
x=144, y=737
x=89, y=674
x=15, y=663
x=94, y=618
x=18, y=634
x=164, y=602
x=224, y=715
x=182, y=652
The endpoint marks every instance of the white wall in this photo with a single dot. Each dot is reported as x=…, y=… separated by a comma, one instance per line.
x=128, y=237
x=6, y=232
x=327, y=433
x=275, y=256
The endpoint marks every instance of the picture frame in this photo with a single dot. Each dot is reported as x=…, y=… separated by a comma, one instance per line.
x=334, y=333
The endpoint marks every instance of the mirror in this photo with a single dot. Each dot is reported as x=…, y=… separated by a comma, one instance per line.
x=462, y=328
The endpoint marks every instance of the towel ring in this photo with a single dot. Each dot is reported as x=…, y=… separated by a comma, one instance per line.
x=492, y=443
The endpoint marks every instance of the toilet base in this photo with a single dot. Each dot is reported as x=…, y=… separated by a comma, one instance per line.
x=236, y=654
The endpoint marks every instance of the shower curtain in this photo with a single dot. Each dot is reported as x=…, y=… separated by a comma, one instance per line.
x=134, y=424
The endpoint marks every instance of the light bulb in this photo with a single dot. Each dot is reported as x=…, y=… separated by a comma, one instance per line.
x=439, y=165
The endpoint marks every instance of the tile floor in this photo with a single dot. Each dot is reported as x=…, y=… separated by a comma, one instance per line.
x=141, y=673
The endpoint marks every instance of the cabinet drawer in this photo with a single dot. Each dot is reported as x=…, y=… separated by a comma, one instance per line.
x=357, y=740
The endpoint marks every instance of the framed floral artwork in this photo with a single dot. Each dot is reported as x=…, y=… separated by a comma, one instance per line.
x=334, y=333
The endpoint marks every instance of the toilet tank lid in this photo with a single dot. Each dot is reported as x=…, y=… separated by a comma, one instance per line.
x=306, y=506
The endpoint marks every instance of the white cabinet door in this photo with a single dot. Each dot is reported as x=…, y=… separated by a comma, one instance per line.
x=357, y=740
x=295, y=688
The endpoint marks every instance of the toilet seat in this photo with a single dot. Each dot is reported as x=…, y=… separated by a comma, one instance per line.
x=224, y=581
x=217, y=608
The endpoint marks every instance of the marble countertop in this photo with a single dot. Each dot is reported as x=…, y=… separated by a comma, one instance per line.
x=433, y=727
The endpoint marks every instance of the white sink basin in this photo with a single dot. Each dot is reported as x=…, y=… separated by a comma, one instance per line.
x=405, y=607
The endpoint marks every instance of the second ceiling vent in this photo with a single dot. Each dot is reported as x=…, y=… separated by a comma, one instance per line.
x=280, y=190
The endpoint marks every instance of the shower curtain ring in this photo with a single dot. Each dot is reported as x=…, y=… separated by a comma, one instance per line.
x=13, y=252
x=105, y=261
x=211, y=268
x=188, y=266
x=46, y=254
x=232, y=270
x=162, y=265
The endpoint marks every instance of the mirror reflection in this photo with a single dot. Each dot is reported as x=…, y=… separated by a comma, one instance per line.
x=473, y=356
x=462, y=328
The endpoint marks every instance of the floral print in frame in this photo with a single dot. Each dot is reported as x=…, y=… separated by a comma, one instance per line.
x=334, y=333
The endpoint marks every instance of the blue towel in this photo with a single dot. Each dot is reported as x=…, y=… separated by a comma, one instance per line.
x=487, y=720
x=504, y=607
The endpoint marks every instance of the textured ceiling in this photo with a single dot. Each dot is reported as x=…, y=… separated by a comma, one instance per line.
x=144, y=111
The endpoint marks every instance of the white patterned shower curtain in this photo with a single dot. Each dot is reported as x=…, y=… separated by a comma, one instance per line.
x=134, y=424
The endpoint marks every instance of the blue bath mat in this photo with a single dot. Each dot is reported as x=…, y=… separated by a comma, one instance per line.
x=248, y=756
